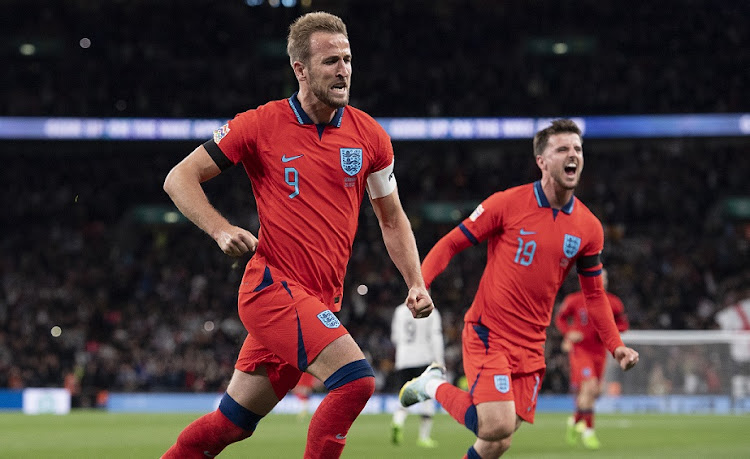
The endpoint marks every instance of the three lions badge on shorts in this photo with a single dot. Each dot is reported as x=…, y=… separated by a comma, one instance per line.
x=502, y=383
x=329, y=319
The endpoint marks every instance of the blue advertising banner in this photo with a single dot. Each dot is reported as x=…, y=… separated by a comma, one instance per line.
x=630, y=126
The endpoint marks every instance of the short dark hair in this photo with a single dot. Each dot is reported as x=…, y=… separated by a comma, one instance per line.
x=558, y=126
x=298, y=40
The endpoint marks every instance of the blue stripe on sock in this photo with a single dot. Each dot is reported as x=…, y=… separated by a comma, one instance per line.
x=472, y=454
x=238, y=414
x=471, y=421
x=348, y=373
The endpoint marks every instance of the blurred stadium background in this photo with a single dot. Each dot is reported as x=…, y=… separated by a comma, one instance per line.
x=107, y=292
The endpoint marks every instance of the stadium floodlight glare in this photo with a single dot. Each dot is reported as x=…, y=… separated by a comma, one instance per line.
x=27, y=49
x=560, y=48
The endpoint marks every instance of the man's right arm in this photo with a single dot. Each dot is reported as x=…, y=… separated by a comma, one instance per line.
x=441, y=254
x=183, y=185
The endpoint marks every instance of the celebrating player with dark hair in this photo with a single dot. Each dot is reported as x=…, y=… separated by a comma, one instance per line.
x=536, y=233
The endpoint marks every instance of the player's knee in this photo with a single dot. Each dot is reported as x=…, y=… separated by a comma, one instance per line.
x=499, y=432
x=495, y=449
x=356, y=378
x=591, y=388
x=503, y=445
x=590, y=385
x=241, y=417
x=363, y=388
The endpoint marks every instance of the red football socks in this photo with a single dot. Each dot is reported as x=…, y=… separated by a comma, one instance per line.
x=205, y=437
x=587, y=416
x=458, y=404
x=330, y=424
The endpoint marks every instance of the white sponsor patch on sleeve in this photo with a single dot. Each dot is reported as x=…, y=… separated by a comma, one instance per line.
x=477, y=212
x=381, y=183
x=220, y=133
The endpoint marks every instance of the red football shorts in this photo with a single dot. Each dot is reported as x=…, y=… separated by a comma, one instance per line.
x=585, y=364
x=496, y=370
x=287, y=327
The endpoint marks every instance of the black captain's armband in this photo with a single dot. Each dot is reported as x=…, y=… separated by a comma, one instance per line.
x=586, y=263
x=217, y=155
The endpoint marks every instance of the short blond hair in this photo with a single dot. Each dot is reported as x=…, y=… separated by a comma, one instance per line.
x=558, y=127
x=300, y=31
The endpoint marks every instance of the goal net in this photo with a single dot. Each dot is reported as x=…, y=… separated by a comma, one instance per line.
x=684, y=362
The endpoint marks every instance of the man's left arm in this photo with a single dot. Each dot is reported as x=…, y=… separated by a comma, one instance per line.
x=402, y=248
x=600, y=311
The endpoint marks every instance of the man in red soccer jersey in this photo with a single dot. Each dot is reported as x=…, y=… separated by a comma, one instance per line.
x=536, y=233
x=587, y=355
x=310, y=159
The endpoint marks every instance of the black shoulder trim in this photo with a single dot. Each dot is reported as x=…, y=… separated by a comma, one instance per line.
x=217, y=155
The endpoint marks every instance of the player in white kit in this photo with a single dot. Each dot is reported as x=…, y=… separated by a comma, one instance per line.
x=418, y=343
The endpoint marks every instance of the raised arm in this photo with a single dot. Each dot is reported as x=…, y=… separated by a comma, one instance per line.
x=442, y=252
x=183, y=185
x=402, y=248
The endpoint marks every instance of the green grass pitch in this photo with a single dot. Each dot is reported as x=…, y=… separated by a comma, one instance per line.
x=92, y=434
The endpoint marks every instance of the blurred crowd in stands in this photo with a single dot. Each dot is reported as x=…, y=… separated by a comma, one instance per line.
x=411, y=58
x=152, y=306
x=145, y=306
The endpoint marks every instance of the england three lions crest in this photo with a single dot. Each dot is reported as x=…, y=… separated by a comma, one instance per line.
x=329, y=319
x=351, y=160
x=502, y=383
x=571, y=244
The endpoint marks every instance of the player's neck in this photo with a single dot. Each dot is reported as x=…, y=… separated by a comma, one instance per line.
x=319, y=112
x=556, y=195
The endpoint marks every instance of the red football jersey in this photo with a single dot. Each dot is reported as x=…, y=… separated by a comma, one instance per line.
x=309, y=181
x=573, y=315
x=531, y=248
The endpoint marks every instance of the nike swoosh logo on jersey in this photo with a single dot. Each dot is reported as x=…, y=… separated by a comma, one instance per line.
x=284, y=159
x=526, y=233
x=341, y=437
x=208, y=454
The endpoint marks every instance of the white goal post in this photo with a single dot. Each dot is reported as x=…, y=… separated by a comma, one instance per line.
x=684, y=362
